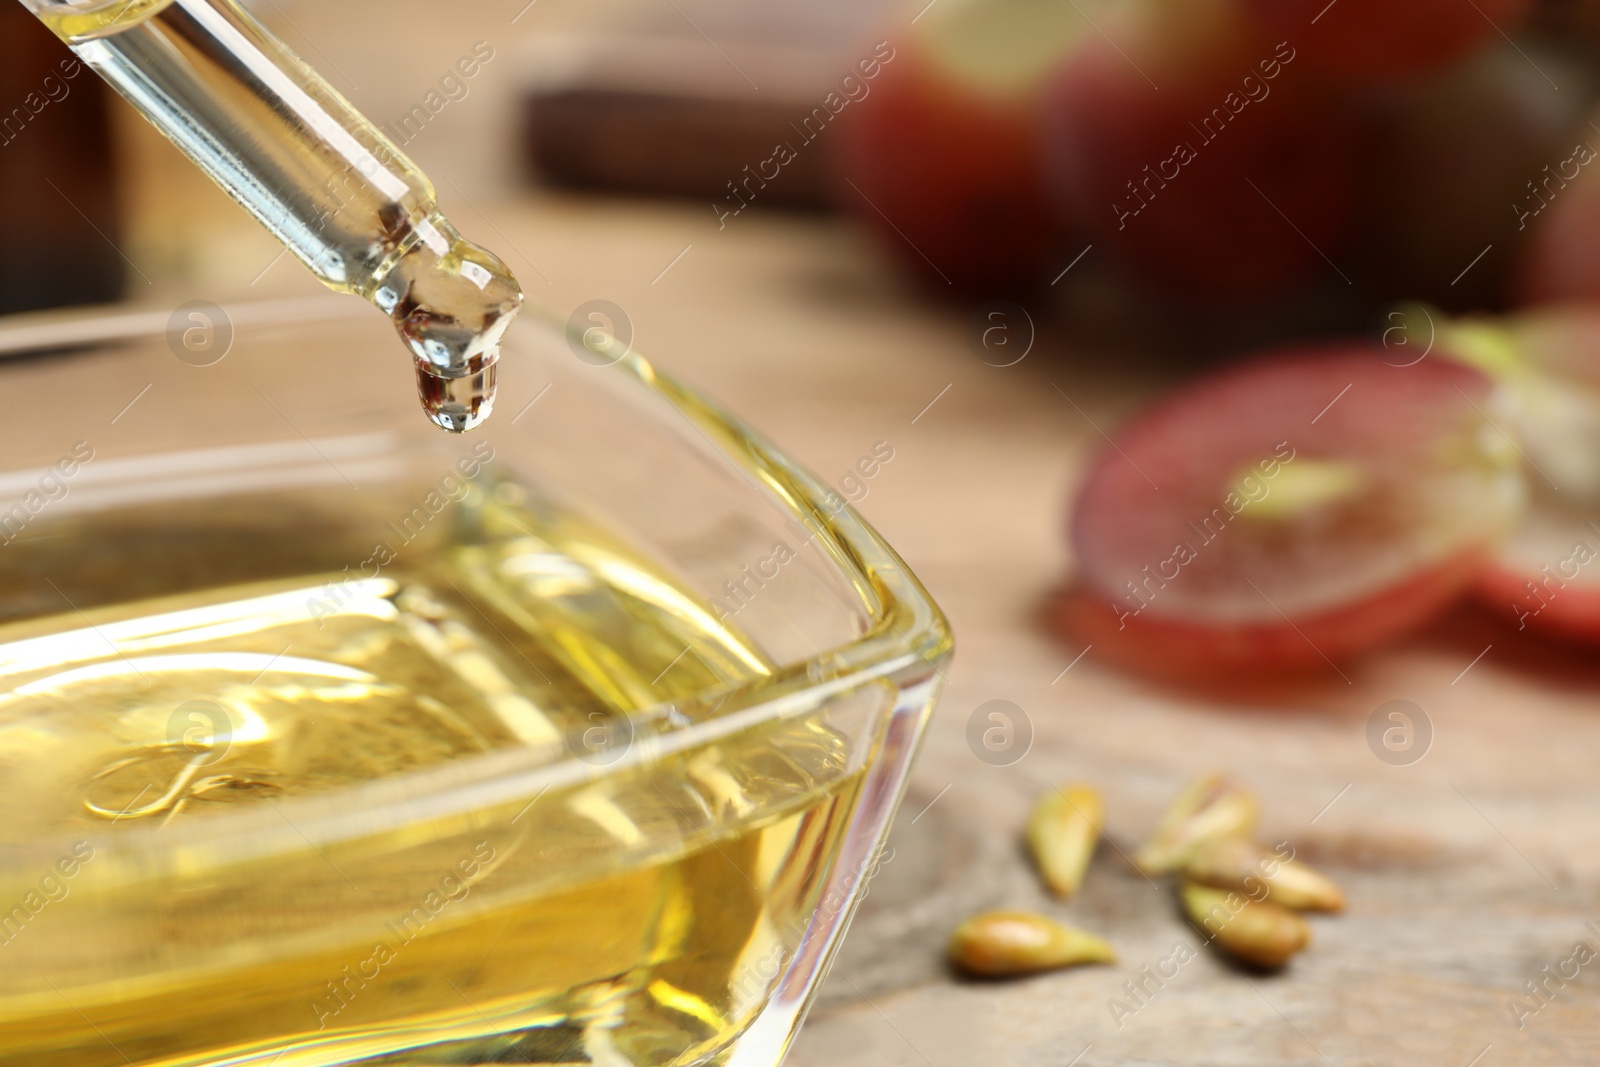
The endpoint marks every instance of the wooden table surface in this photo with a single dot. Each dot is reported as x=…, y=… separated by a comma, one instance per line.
x=1468, y=871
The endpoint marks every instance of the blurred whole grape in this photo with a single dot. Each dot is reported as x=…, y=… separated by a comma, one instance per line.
x=1417, y=158
x=1379, y=41
x=1447, y=163
x=1560, y=207
x=1232, y=153
x=1184, y=140
x=943, y=161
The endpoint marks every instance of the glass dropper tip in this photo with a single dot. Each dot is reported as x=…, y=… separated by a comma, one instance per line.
x=458, y=404
x=452, y=302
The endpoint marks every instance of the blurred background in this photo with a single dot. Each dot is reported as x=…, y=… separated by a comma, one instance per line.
x=1409, y=161
x=982, y=233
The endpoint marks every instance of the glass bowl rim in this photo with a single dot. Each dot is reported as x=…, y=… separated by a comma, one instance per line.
x=906, y=637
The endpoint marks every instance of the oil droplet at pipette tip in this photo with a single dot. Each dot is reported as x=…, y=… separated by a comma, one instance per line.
x=451, y=302
x=458, y=404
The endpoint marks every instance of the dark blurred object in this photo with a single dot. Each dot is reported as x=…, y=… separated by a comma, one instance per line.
x=1572, y=21
x=698, y=101
x=1449, y=169
x=1297, y=161
x=943, y=161
x=1377, y=42
x=1560, y=258
x=56, y=173
x=1233, y=182
x=643, y=116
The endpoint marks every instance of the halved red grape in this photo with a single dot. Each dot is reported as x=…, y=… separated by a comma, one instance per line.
x=942, y=158
x=1547, y=575
x=1560, y=211
x=1193, y=151
x=1374, y=41
x=1291, y=512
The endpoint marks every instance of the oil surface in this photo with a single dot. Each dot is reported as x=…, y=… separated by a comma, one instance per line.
x=214, y=666
x=325, y=181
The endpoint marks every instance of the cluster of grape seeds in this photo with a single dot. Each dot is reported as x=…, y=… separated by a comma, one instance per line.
x=1243, y=897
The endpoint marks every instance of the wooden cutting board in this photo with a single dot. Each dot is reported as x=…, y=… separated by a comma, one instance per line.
x=1468, y=871
x=679, y=99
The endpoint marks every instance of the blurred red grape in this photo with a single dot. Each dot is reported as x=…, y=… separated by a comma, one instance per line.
x=1191, y=147
x=943, y=161
x=1560, y=207
x=1313, y=504
x=1377, y=41
x=1446, y=163
x=1547, y=576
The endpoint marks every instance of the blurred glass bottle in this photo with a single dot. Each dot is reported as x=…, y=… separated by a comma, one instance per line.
x=57, y=170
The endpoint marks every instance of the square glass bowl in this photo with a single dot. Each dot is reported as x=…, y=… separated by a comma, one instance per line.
x=327, y=738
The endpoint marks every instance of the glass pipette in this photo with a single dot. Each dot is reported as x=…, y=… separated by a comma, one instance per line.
x=327, y=184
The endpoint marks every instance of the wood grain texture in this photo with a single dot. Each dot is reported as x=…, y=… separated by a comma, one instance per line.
x=1467, y=872
x=645, y=107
